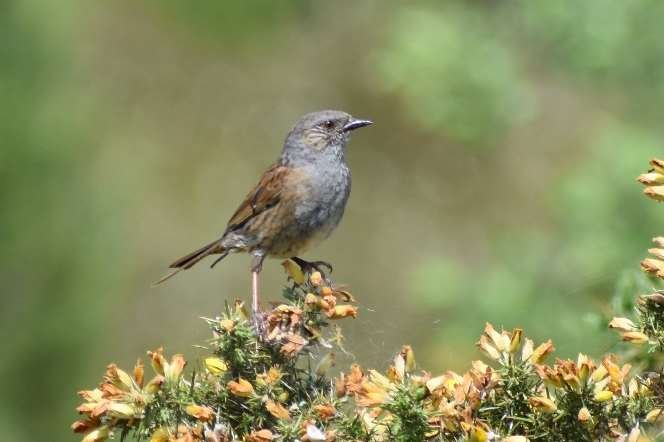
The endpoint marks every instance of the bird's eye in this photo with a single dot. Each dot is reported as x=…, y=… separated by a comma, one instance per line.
x=329, y=124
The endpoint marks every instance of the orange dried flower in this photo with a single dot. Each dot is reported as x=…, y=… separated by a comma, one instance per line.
x=241, y=388
x=200, y=412
x=325, y=411
x=277, y=410
x=543, y=404
x=343, y=311
x=261, y=436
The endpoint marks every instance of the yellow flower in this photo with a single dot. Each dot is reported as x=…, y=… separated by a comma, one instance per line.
x=409, y=358
x=654, y=415
x=293, y=271
x=241, y=388
x=585, y=366
x=139, y=373
x=657, y=165
x=372, y=391
x=657, y=252
x=310, y=299
x=227, y=324
x=118, y=378
x=161, y=434
x=543, y=404
x=155, y=384
x=515, y=341
x=173, y=371
x=541, y=352
x=477, y=434
x=215, y=365
x=157, y=360
x=635, y=337
x=651, y=178
x=655, y=192
x=97, y=435
x=603, y=396
x=316, y=279
x=121, y=410
x=653, y=266
x=274, y=375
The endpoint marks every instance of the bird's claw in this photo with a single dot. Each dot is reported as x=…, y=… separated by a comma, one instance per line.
x=311, y=266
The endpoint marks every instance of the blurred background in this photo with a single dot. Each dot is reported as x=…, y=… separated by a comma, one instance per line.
x=496, y=185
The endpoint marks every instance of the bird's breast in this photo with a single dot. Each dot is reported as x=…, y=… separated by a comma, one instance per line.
x=317, y=208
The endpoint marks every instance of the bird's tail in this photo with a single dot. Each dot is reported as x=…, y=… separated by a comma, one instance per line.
x=188, y=261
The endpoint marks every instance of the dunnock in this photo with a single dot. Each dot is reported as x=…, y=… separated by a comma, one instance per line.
x=297, y=202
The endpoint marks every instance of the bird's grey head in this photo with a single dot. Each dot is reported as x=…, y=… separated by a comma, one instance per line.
x=319, y=136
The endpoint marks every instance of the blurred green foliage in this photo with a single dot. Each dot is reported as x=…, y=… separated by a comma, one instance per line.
x=614, y=44
x=55, y=231
x=239, y=22
x=454, y=76
x=501, y=169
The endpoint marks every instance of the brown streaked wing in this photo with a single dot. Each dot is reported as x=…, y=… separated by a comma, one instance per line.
x=266, y=194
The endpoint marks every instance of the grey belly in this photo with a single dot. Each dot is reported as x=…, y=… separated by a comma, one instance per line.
x=308, y=229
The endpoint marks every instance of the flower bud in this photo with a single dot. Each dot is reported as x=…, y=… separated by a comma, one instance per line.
x=622, y=324
x=655, y=192
x=584, y=415
x=316, y=279
x=653, y=266
x=654, y=415
x=139, y=373
x=515, y=341
x=173, y=371
x=98, y=435
x=635, y=337
x=657, y=253
x=603, y=396
x=651, y=178
x=657, y=165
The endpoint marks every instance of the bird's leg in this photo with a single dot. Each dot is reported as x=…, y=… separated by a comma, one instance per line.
x=257, y=316
x=310, y=266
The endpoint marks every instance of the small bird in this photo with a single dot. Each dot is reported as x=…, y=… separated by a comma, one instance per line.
x=297, y=202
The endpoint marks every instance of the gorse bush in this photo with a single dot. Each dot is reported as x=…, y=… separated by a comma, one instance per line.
x=275, y=384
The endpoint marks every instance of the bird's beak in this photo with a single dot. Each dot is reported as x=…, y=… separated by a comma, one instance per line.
x=356, y=124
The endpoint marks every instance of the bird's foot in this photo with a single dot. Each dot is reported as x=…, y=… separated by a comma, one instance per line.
x=311, y=266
